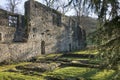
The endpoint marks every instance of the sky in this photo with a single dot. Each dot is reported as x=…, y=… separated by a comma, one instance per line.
x=3, y=4
x=21, y=8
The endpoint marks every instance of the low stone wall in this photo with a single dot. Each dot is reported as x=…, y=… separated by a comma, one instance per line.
x=18, y=51
x=7, y=34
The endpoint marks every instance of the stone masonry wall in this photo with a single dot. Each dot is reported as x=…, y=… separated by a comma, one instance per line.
x=18, y=51
x=57, y=38
x=47, y=30
x=6, y=34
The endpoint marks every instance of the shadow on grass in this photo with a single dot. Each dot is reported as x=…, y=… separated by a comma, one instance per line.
x=79, y=55
x=88, y=74
x=72, y=73
x=103, y=74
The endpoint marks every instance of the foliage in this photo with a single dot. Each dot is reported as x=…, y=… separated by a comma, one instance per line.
x=107, y=36
x=103, y=8
x=109, y=42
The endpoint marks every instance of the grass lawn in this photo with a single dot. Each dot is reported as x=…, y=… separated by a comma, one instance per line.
x=86, y=52
x=61, y=73
x=17, y=76
x=82, y=73
x=6, y=75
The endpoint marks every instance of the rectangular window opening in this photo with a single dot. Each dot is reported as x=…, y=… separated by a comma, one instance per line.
x=12, y=21
x=57, y=19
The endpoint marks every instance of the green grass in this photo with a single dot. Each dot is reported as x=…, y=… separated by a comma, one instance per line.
x=86, y=52
x=4, y=75
x=85, y=73
x=48, y=56
x=104, y=75
x=72, y=58
x=66, y=72
x=17, y=76
x=82, y=73
x=6, y=67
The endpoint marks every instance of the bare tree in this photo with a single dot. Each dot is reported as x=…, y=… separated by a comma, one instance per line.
x=78, y=7
x=49, y=3
x=12, y=5
x=61, y=6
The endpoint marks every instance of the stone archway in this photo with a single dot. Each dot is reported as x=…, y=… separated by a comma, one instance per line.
x=42, y=47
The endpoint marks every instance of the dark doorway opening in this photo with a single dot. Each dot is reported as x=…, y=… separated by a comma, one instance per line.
x=70, y=47
x=42, y=47
x=0, y=36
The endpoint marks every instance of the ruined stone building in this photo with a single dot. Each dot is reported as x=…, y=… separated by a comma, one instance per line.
x=39, y=31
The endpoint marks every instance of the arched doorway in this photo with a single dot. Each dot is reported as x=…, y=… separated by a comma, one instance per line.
x=42, y=47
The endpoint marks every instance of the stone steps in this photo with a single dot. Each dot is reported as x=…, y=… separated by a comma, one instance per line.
x=67, y=62
x=80, y=64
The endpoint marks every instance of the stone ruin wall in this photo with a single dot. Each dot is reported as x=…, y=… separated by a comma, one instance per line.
x=18, y=51
x=6, y=33
x=10, y=50
x=57, y=38
x=40, y=28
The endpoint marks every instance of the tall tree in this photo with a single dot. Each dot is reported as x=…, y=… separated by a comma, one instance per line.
x=107, y=36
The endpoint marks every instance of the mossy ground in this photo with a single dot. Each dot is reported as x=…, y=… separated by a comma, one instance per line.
x=66, y=72
x=84, y=73
x=6, y=75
